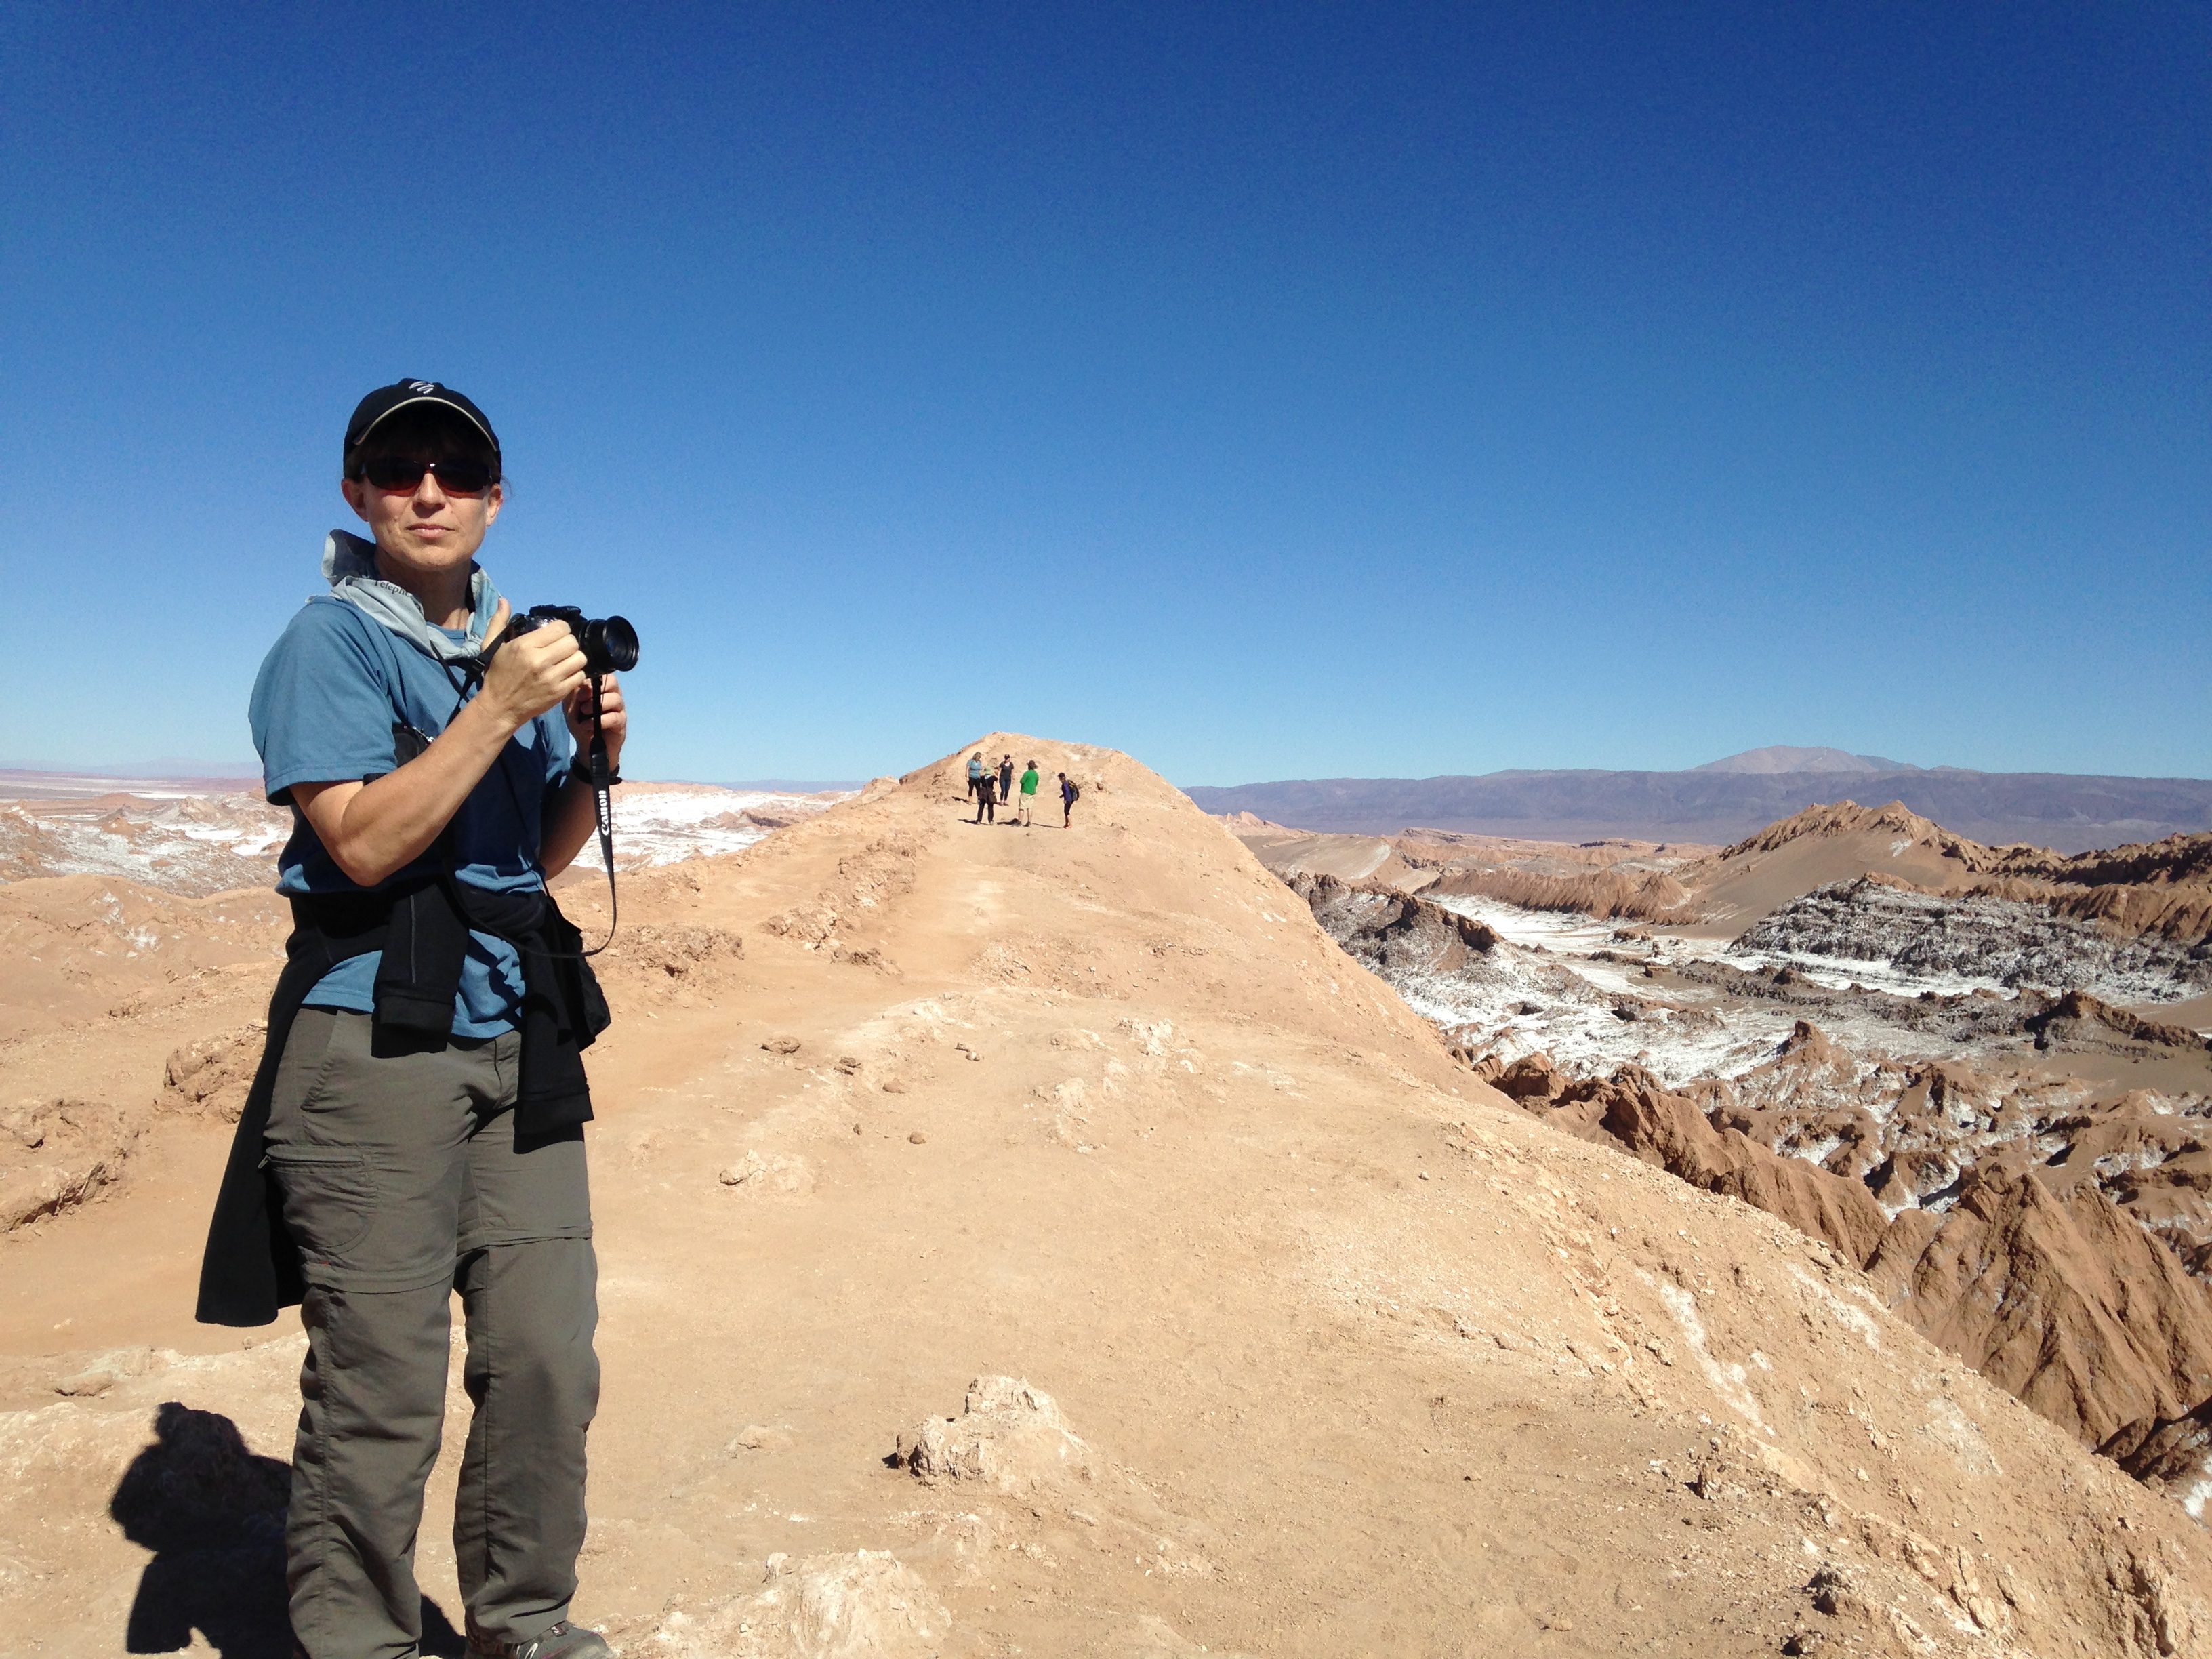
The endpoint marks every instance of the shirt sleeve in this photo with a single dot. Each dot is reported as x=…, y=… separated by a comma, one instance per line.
x=556, y=746
x=321, y=712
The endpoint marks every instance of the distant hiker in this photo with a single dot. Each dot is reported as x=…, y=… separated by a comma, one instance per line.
x=1006, y=779
x=987, y=799
x=416, y=1125
x=974, y=770
x=1069, y=794
x=1029, y=794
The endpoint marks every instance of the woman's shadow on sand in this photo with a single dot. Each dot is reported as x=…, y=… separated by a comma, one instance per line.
x=213, y=1514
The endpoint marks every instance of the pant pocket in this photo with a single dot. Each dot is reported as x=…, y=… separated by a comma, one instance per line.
x=329, y=1197
x=303, y=1067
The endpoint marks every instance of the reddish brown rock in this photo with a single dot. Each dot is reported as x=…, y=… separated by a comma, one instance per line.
x=2169, y=1455
x=2070, y=1305
x=1667, y=1129
x=1619, y=895
x=1396, y=935
x=2079, y=1020
x=1532, y=1076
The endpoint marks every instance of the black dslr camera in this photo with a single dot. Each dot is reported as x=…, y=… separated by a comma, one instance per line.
x=610, y=645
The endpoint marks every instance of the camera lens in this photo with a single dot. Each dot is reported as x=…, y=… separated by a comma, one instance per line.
x=616, y=643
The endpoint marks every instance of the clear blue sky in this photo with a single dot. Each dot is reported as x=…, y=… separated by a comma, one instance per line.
x=1277, y=392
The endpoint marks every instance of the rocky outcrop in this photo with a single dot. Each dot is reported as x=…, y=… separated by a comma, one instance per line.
x=2169, y=1455
x=2134, y=921
x=2178, y=862
x=1614, y=894
x=680, y=953
x=55, y=1155
x=1011, y=1446
x=2043, y=1231
x=1846, y=817
x=194, y=846
x=2009, y=941
x=1009, y=1436
x=2152, y=1160
x=1533, y=1077
x=1985, y=1019
x=856, y=1604
x=2160, y=888
x=2079, y=1021
x=1397, y=935
x=1669, y=1129
x=2066, y=1302
x=1914, y=1130
x=213, y=1074
x=2070, y=1305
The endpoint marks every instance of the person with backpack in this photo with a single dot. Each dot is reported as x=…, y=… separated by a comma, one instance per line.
x=1029, y=794
x=987, y=799
x=1070, y=792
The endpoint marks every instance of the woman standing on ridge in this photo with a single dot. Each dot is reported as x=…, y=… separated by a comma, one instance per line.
x=416, y=1127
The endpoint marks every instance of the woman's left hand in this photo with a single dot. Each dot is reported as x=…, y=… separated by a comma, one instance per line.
x=614, y=721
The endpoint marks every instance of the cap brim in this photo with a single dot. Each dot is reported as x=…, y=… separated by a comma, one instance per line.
x=443, y=403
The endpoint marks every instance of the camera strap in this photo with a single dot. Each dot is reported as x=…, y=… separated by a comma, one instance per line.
x=603, y=808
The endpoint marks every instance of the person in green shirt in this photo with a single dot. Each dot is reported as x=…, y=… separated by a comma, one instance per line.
x=1029, y=792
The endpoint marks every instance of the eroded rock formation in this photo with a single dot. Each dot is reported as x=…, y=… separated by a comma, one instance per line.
x=1645, y=895
x=2043, y=1229
x=1396, y=934
x=55, y=1155
x=2011, y=941
x=2068, y=1302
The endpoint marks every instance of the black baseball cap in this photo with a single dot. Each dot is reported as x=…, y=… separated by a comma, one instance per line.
x=388, y=400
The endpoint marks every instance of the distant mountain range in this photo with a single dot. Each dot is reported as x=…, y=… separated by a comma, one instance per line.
x=1728, y=800
x=1782, y=758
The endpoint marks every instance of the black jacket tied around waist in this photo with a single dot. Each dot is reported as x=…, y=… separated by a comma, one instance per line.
x=250, y=1269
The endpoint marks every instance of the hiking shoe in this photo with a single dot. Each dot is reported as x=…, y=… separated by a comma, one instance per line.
x=563, y=1641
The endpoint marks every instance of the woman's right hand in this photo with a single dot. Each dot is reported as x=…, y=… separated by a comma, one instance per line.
x=530, y=672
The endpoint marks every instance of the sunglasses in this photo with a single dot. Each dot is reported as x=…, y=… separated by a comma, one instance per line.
x=456, y=476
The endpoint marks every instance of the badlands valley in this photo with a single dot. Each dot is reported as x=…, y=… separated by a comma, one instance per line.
x=1182, y=1235
x=1975, y=1071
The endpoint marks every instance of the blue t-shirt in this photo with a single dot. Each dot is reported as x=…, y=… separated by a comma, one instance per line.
x=322, y=709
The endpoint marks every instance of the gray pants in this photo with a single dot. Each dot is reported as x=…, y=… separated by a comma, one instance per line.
x=404, y=1181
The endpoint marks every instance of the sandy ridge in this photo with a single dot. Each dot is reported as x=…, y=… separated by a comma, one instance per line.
x=1363, y=1358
